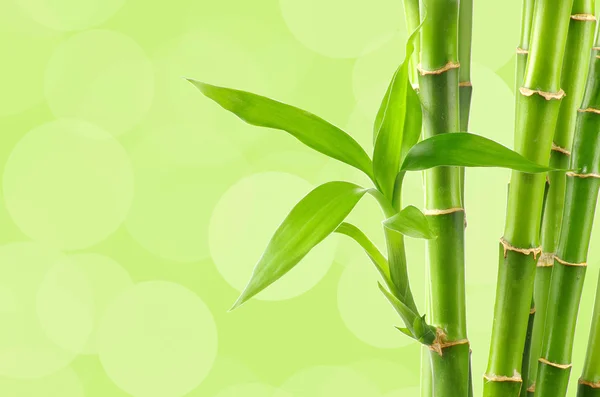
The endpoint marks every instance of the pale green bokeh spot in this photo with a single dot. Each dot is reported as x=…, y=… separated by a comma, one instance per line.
x=22, y=78
x=67, y=15
x=176, y=193
x=341, y=29
x=63, y=303
x=64, y=383
x=68, y=183
x=373, y=72
x=244, y=221
x=322, y=381
x=249, y=390
x=157, y=339
x=106, y=279
x=390, y=374
x=102, y=77
x=26, y=351
x=496, y=32
x=364, y=309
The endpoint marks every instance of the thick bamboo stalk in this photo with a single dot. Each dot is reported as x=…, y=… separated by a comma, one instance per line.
x=586, y=154
x=438, y=81
x=575, y=68
x=537, y=110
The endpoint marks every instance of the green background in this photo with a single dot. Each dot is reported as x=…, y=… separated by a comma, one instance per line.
x=133, y=209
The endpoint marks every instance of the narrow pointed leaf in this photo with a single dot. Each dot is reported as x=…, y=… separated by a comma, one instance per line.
x=398, y=125
x=410, y=222
x=466, y=150
x=316, y=216
x=371, y=250
x=405, y=331
x=311, y=130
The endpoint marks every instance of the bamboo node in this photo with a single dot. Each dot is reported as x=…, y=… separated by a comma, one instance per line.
x=465, y=84
x=440, y=338
x=593, y=385
x=531, y=389
x=415, y=87
x=546, y=260
x=521, y=51
x=563, y=262
x=595, y=48
x=532, y=310
x=555, y=365
x=583, y=17
x=562, y=150
x=525, y=251
x=503, y=378
x=546, y=95
x=443, y=212
x=576, y=175
x=449, y=66
x=589, y=110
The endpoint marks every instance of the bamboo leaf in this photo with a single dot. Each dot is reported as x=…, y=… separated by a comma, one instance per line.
x=371, y=250
x=408, y=316
x=466, y=150
x=397, y=125
x=311, y=130
x=316, y=216
x=410, y=222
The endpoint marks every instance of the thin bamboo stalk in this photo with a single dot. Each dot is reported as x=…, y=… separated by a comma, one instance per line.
x=438, y=81
x=537, y=111
x=589, y=383
x=465, y=86
x=413, y=20
x=575, y=68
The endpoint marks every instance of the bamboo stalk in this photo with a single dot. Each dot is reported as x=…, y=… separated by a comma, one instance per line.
x=465, y=87
x=575, y=67
x=538, y=103
x=438, y=81
x=413, y=20
x=586, y=155
x=589, y=383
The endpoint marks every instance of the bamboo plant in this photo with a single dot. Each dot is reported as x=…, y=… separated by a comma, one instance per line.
x=402, y=116
x=538, y=103
x=575, y=65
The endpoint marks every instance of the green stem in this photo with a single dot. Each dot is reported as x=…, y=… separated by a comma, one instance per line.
x=575, y=67
x=575, y=205
x=537, y=111
x=413, y=19
x=589, y=383
x=438, y=81
x=465, y=33
x=527, y=352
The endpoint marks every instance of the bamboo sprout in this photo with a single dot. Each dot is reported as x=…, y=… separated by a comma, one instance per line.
x=438, y=80
x=575, y=66
x=538, y=103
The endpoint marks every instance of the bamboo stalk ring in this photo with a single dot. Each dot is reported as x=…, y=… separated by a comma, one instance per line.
x=555, y=365
x=593, y=385
x=576, y=175
x=521, y=51
x=560, y=149
x=449, y=66
x=546, y=95
x=589, y=110
x=546, y=260
x=503, y=378
x=531, y=389
x=525, y=251
x=443, y=212
x=583, y=17
x=563, y=262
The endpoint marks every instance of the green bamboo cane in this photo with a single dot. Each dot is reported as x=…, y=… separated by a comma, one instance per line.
x=586, y=157
x=589, y=383
x=575, y=66
x=537, y=111
x=413, y=20
x=465, y=87
x=438, y=81
x=522, y=52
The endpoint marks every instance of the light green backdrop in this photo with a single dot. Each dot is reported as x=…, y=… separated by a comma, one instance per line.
x=133, y=209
